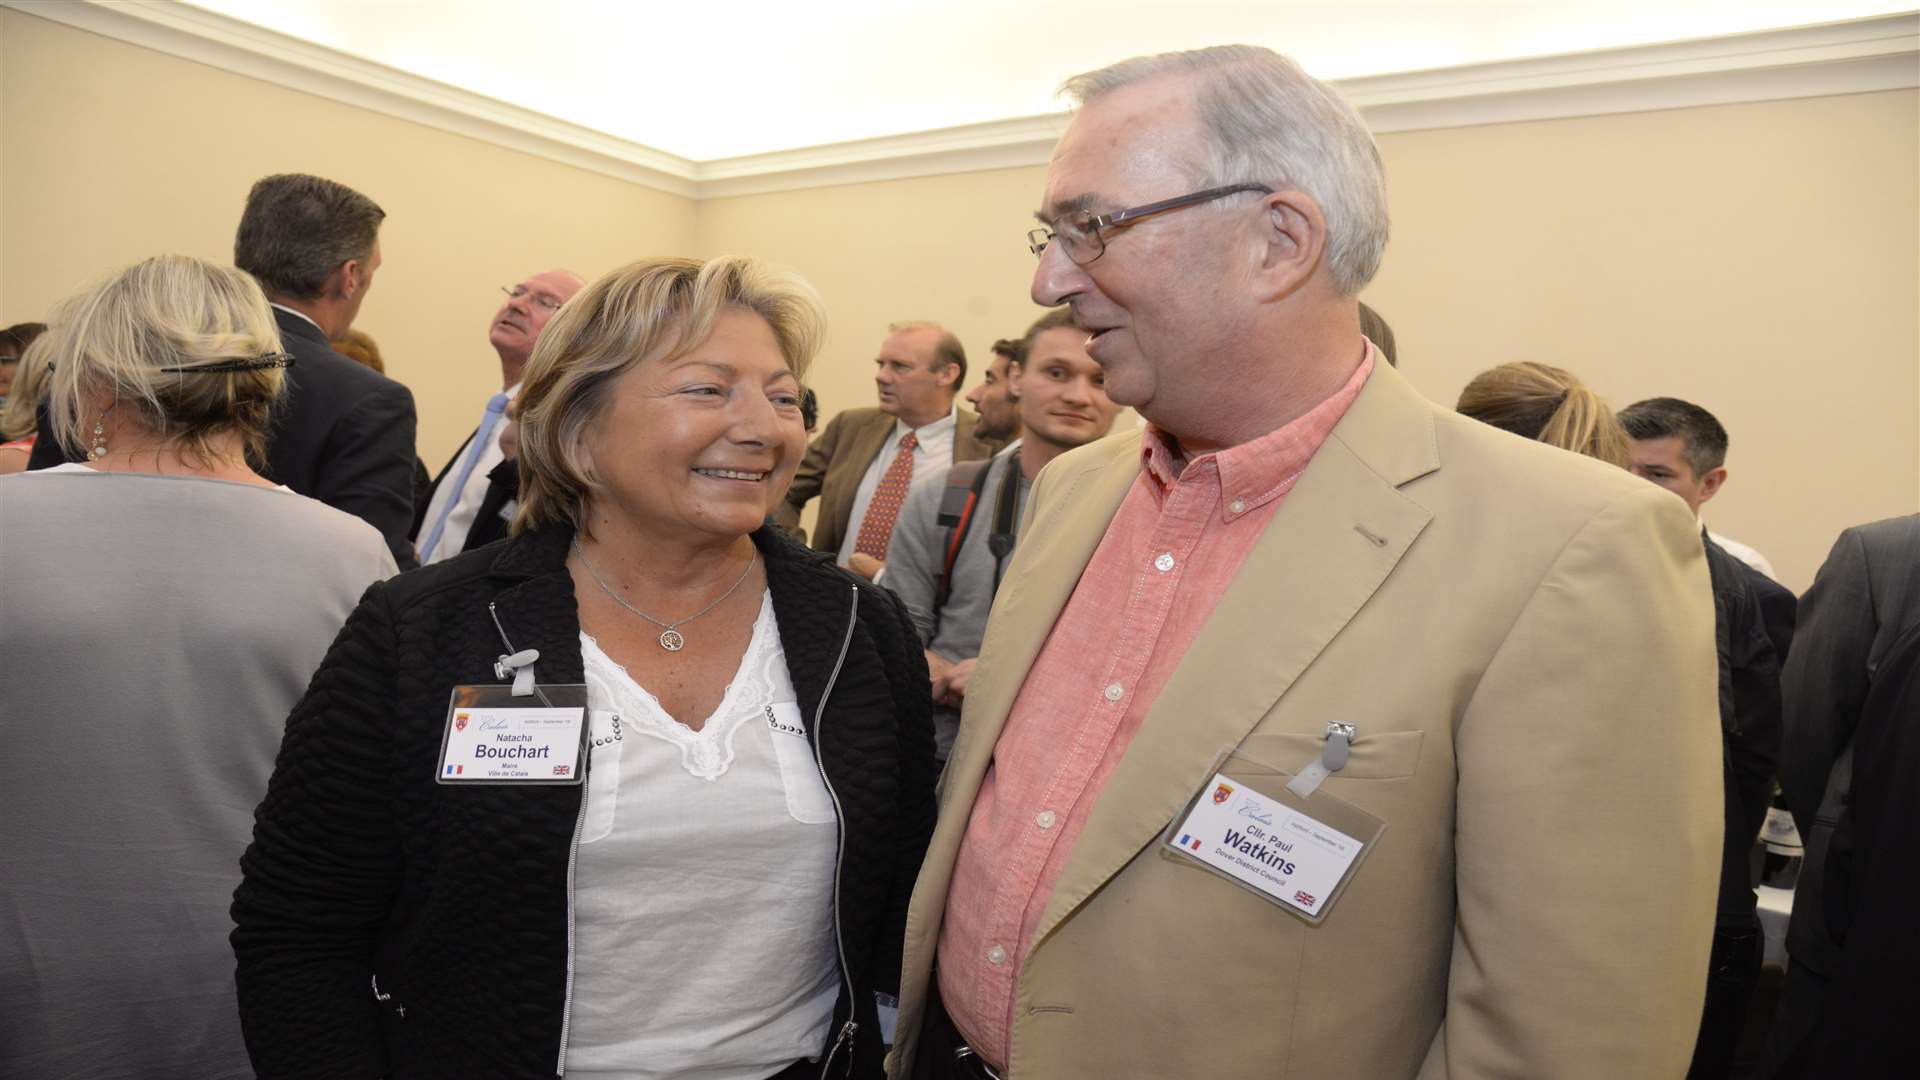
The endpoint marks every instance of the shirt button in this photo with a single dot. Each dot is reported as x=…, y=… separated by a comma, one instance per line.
x=1045, y=819
x=996, y=956
x=1236, y=506
x=1164, y=563
x=1114, y=691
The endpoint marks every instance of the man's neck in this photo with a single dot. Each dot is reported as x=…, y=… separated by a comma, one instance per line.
x=1286, y=363
x=511, y=368
x=915, y=423
x=314, y=311
x=1036, y=453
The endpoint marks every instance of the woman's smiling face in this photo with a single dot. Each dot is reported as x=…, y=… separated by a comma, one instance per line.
x=706, y=442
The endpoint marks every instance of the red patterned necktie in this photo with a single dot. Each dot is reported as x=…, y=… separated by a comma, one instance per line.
x=877, y=527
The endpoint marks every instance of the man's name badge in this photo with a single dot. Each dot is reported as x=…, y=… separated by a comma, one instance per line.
x=493, y=737
x=1298, y=854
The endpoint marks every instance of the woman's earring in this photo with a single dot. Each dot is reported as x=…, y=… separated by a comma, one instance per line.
x=100, y=434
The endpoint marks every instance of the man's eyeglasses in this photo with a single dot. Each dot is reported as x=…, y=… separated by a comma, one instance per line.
x=1081, y=232
x=540, y=300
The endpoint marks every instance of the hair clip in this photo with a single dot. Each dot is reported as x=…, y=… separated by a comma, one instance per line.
x=258, y=363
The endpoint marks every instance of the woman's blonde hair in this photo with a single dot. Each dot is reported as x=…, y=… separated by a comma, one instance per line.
x=17, y=420
x=171, y=311
x=655, y=308
x=1539, y=401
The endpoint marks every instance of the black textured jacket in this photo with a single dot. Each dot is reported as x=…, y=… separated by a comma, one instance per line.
x=387, y=925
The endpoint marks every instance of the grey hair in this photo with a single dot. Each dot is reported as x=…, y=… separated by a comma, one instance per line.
x=297, y=230
x=1265, y=119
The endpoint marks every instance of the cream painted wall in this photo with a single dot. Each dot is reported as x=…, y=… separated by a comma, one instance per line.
x=110, y=153
x=1762, y=260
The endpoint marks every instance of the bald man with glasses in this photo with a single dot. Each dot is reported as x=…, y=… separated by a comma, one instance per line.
x=471, y=500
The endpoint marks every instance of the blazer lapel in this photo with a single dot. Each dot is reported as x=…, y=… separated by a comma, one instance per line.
x=1047, y=564
x=836, y=498
x=1046, y=567
x=1336, y=537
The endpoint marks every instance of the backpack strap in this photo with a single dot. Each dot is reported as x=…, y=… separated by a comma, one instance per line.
x=965, y=482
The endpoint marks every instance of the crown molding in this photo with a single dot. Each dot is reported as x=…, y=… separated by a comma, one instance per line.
x=228, y=44
x=1856, y=56
x=1851, y=57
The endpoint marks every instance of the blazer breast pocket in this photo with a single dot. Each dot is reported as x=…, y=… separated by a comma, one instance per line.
x=1386, y=755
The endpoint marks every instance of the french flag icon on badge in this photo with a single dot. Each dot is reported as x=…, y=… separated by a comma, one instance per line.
x=1188, y=840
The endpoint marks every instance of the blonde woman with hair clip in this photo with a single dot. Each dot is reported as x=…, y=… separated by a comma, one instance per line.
x=1548, y=404
x=165, y=606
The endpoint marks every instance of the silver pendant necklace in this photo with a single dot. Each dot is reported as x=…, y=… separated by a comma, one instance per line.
x=670, y=637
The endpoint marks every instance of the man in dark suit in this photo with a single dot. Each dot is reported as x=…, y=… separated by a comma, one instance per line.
x=470, y=500
x=866, y=458
x=345, y=433
x=1873, y=885
x=342, y=433
x=1865, y=595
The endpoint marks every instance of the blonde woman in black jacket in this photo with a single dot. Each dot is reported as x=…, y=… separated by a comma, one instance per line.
x=433, y=890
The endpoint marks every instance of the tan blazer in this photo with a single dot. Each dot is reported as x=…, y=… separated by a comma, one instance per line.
x=1524, y=638
x=837, y=460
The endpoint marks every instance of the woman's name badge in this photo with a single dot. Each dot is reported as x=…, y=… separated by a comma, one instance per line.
x=493, y=737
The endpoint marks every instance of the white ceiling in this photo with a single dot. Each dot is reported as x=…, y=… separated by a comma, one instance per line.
x=707, y=80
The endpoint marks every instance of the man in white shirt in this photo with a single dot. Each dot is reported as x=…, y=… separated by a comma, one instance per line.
x=863, y=463
x=1683, y=448
x=447, y=526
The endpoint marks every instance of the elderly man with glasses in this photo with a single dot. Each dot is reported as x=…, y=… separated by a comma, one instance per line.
x=1324, y=732
x=469, y=505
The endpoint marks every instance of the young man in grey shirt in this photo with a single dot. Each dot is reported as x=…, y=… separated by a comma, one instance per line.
x=955, y=534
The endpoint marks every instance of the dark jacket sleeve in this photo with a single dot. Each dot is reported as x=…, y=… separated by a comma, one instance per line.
x=808, y=480
x=318, y=881
x=908, y=681
x=1778, y=610
x=1753, y=751
x=369, y=470
x=1825, y=679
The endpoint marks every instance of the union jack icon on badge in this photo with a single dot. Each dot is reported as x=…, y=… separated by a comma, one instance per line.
x=562, y=770
x=1304, y=898
x=1222, y=793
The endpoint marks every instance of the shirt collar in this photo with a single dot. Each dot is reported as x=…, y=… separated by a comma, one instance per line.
x=1255, y=473
x=300, y=315
x=927, y=431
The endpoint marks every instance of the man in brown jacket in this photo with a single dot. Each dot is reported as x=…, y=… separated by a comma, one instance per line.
x=863, y=463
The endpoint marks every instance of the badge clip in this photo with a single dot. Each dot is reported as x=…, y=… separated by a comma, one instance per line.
x=1333, y=758
x=518, y=667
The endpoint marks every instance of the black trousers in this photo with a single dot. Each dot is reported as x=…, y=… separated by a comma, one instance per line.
x=1733, y=969
x=933, y=1056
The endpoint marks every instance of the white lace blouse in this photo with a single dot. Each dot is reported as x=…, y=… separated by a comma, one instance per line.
x=703, y=890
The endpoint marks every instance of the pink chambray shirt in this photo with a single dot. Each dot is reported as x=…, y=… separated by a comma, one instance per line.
x=1171, y=551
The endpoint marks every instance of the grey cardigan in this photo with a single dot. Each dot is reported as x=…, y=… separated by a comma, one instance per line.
x=155, y=632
